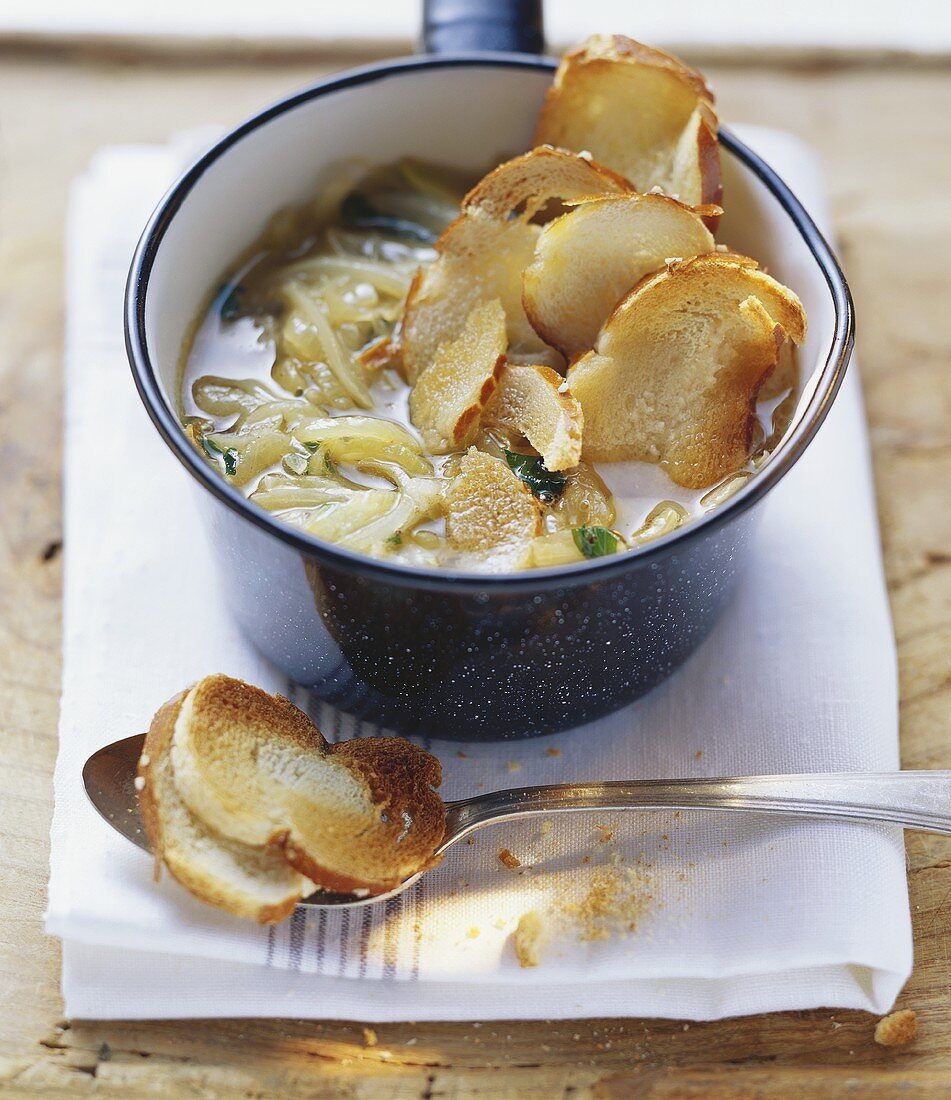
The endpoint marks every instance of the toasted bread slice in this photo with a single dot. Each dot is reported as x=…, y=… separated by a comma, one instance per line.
x=588, y=259
x=677, y=368
x=483, y=253
x=480, y=259
x=534, y=401
x=257, y=770
x=448, y=398
x=523, y=186
x=256, y=883
x=490, y=512
x=640, y=111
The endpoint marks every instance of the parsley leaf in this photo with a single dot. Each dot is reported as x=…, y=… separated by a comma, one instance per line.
x=547, y=485
x=594, y=542
x=229, y=457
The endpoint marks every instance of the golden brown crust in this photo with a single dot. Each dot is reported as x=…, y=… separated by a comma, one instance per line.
x=224, y=702
x=711, y=173
x=157, y=740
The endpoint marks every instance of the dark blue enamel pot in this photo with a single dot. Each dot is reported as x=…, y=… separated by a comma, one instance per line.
x=443, y=653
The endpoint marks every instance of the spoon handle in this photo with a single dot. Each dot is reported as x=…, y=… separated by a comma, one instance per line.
x=915, y=800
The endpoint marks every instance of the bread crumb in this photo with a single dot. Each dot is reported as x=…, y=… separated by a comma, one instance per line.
x=369, y=1037
x=470, y=840
x=462, y=755
x=528, y=938
x=698, y=755
x=473, y=933
x=607, y=835
x=514, y=766
x=552, y=751
x=898, y=1029
x=139, y=782
x=545, y=828
x=508, y=860
x=615, y=901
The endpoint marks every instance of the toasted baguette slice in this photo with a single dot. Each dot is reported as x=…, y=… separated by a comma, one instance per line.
x=256, y=883
x=483, y=253
x=523, y=186
x=533, y=400
x=479, y=260
x=257, y=770
x=640, y=111
x=490, y=513
x=588, y=259
x=449, y=396
x=677, y=368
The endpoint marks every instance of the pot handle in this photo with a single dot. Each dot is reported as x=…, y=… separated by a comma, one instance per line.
x=502, y=26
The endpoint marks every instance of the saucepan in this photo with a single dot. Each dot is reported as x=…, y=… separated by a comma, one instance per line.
x=437, y=652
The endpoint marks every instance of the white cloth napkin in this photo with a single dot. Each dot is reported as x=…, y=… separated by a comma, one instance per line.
x=732, y=915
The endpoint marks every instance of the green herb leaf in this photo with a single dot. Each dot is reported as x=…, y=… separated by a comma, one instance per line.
x=232, y=305
x=547, y=485
x=358, y=211
x=595, y=542
x=396, y=539
x=229, y=457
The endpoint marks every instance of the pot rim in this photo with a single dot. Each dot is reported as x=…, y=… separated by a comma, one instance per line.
x=167, y=423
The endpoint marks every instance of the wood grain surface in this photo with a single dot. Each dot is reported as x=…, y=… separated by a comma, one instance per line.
x=884, y=134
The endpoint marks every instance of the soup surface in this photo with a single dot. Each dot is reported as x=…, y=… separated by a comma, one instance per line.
x=293, y=388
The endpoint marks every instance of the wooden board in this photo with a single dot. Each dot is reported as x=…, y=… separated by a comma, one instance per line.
x=885, y=138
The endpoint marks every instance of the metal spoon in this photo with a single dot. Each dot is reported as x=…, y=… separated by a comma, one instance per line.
x=915, y=800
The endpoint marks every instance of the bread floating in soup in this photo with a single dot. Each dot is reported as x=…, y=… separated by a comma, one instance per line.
x=551, y=364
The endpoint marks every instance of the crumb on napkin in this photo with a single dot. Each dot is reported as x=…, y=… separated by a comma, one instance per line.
x=507, y=859
x=528, y=938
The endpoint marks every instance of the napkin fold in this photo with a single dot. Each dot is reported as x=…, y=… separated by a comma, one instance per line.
x=693, y=915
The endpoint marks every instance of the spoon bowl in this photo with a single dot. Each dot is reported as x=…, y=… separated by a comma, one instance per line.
x=914, y=800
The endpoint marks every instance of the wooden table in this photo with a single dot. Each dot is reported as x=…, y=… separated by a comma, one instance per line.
x=884, y=131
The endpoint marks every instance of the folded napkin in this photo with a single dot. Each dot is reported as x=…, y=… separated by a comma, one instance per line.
x=696, y=916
